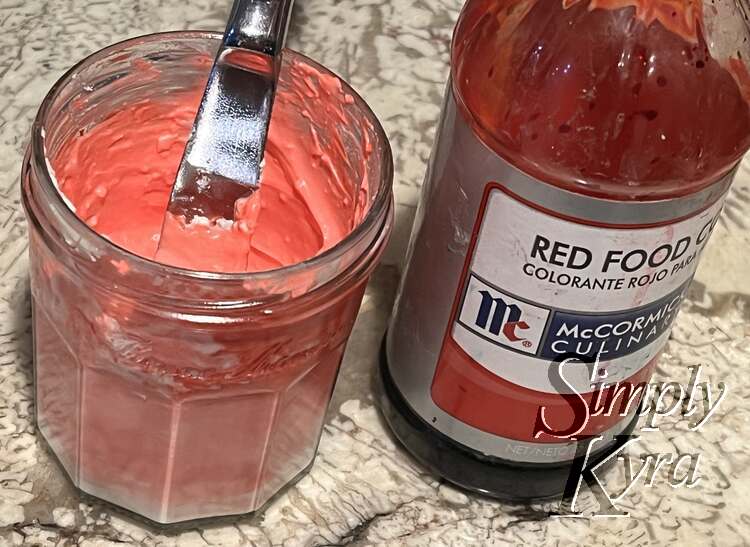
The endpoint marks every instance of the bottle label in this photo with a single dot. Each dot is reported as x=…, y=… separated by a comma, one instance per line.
x=538, y=288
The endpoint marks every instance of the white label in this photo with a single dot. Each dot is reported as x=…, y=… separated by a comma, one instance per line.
x=540, y=288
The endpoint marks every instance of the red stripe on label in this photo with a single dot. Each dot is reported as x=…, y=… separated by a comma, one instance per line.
x=470, y=393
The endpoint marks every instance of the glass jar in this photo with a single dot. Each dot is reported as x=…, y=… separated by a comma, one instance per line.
x=173, y=393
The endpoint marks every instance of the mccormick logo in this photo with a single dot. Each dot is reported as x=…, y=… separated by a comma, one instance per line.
x=500, y=318
x=504, y=318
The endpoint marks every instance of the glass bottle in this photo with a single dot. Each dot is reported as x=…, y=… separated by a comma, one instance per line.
x=581, y=164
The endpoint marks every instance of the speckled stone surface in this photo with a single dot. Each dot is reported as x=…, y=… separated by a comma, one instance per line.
x=363, y=489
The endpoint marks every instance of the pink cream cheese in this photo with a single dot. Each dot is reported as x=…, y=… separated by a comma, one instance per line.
x=118, y=176
x=187, y=413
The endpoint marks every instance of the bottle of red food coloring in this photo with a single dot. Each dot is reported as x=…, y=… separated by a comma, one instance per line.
x=581, y=164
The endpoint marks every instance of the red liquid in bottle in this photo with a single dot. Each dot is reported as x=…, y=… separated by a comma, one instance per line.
x=621, y=103
x=575, y=132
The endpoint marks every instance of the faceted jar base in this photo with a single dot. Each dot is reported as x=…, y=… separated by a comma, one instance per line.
x=167, y=527
x=502, y=479
x=173, y=458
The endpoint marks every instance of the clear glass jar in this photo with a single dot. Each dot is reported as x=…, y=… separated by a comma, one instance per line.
x=179, y=394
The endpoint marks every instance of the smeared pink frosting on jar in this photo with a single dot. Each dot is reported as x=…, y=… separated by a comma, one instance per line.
x=183, y=395
x=118, y=176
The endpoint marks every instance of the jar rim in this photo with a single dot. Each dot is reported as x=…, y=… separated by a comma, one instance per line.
x=377, y=211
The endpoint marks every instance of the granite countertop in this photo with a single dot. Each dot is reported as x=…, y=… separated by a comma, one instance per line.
x=363, y=489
